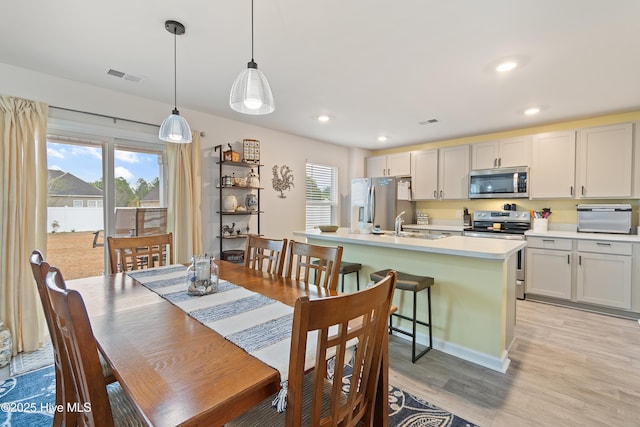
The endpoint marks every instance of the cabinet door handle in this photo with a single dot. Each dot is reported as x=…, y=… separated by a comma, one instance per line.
x=441, y=194
x=603, y=244
x=569, y=259
x=583, y=190
x=571, y=191
x=495, y=162
x=435, y=194
x=548, y=240
x=580, y=260
x=499, y=161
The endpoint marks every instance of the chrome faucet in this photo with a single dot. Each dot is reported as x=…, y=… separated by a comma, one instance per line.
x=398, y=224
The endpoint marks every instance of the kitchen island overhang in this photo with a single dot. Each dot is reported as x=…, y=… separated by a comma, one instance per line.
x=473, y=299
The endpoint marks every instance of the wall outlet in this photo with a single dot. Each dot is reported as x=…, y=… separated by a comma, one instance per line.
x=458, y=213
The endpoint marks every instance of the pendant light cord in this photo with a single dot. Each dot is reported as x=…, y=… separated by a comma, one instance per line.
x=175, y=71
x=252, y=31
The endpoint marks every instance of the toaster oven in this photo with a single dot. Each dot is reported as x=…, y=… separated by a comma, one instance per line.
x=604, y=218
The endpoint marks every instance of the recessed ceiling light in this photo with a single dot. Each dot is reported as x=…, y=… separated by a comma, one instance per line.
x=506, y=66
x=382, y=138
x=323, y=118
x=531, y=111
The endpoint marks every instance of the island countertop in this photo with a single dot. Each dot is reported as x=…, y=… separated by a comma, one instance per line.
x=472, y=247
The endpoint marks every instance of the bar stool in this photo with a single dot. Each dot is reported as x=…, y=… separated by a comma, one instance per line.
x=347, y=268
x=415, y=284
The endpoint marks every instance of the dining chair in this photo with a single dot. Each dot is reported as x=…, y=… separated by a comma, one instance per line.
x=65, y=393
x=338, y=321
x=265, y=254
x=133, y=253
x=323, y=261
x=99, y=405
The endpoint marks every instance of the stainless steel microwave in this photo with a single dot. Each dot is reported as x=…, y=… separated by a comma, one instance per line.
x=502, y=183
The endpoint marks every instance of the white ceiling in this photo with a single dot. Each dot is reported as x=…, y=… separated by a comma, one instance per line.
x=377, y=67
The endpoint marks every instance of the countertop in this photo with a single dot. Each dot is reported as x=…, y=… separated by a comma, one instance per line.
x=492, y=249
x=563, y=234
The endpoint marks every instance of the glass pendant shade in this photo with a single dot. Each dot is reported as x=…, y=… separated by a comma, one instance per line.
x=251, y=93
x=175, y=129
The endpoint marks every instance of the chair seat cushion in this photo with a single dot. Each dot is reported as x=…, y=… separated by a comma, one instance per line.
x=405, y=282
x=349, y=267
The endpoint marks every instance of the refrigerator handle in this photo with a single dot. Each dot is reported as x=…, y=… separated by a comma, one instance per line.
x=372, y=204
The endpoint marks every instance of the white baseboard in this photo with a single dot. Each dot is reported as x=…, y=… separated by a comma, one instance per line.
x=500, y=364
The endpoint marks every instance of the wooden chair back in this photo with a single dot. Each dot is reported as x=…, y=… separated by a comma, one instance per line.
x=323, y=261
x=80, y=351
x=265, y=254
x=133, y=253
x=65, y=391
x=339, y=321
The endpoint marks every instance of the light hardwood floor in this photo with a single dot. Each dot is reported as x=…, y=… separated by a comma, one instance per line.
x=568, y=368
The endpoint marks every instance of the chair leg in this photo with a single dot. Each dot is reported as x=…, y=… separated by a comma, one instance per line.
x=342, y=290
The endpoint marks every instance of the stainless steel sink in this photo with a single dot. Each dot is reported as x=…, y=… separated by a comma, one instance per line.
x=413, y=235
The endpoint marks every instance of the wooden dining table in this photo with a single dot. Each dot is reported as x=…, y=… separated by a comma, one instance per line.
x=175, y=370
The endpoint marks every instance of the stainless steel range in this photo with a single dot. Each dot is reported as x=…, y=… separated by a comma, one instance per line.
x=504, y=225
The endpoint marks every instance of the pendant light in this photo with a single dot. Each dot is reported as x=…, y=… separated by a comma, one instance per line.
x=175, y=128
x=250, y=93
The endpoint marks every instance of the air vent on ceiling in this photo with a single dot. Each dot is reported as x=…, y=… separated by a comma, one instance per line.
x=428, y=122
x=126, y=76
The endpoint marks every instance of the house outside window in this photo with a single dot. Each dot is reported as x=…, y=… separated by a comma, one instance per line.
x=321, y=195
x=94, y=203
x=78, y=204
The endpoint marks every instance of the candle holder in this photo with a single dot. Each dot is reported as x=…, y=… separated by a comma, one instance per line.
x=202, y=275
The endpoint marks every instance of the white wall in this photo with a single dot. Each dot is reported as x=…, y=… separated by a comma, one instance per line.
x=282, y=216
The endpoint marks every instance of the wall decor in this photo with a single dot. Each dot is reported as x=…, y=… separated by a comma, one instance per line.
x=282, y=179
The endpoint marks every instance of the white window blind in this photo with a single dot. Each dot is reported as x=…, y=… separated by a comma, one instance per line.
x=322, y=195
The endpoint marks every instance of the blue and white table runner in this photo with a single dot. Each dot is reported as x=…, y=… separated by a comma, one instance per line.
x=258, y=324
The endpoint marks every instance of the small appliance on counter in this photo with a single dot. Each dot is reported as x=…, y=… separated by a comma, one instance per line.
x=604, y=218
x=466, y=219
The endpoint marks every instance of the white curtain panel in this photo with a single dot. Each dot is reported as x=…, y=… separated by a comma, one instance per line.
x=184, y=182
x=23, y=216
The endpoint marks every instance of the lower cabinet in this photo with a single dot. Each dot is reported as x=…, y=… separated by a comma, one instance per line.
x=549, y=272
x=603, y=271
x=604, y=278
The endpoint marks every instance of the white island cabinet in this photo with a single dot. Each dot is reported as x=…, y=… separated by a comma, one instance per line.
x=473, y=298
x=548, y=262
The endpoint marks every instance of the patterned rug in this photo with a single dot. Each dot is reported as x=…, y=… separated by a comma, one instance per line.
x=27, y=399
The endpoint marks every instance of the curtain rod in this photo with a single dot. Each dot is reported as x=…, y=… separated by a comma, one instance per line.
x=104, y=115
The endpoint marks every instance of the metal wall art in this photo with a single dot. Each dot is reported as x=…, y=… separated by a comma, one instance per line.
x=282, y=179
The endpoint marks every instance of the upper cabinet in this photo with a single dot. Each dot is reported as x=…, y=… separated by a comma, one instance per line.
x=552, y=172
x=501, y=154
x=398, y=164
x=441, y=174
x=604, y=162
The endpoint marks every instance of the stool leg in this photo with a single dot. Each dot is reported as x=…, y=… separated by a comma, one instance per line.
x=429, y=307
x=413, y=339
x=342, y=282
x=358, y=280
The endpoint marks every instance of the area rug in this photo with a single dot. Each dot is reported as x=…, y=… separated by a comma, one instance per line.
x=27, y=397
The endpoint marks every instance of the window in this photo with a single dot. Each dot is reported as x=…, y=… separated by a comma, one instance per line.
x=322, y=195
x=78, y=204
x=94, y=203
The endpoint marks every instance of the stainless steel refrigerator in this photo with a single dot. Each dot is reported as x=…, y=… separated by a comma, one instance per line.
x=377, y=201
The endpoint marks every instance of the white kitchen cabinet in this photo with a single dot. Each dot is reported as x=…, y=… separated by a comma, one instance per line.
x=552, y=171
x=509, y=152
x=604, y=273
x=604, y=164
x=453, y=172
x=424, y=174
x=398, y=164
x=548, y=267
x=441, y=174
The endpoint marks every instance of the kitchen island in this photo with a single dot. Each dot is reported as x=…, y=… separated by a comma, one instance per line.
x=473, y=299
